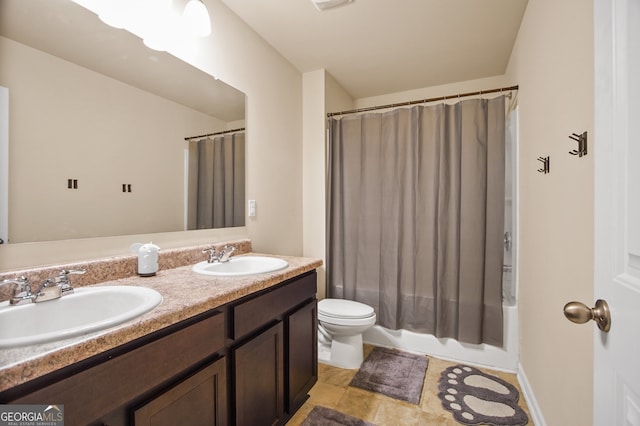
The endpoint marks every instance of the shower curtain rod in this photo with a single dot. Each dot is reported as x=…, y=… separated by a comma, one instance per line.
x=424, y=101
x=224, y=132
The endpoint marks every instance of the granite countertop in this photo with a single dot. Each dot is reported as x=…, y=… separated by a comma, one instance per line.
x=185, y=294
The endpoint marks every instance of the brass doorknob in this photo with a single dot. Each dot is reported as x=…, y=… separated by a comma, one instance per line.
x=580, y=313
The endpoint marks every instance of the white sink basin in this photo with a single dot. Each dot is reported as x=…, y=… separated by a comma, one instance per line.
x=241, y=265
x=87, y=309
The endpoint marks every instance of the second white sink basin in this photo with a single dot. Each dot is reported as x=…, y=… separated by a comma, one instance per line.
x=241, y=265
x=87, y=309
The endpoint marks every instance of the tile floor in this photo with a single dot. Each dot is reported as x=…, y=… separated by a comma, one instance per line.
x=333, y=391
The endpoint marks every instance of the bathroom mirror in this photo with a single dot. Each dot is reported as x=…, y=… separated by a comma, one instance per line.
x=97, y=124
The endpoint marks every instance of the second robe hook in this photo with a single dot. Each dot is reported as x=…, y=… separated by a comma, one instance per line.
x=546, y=164
x=582, y=144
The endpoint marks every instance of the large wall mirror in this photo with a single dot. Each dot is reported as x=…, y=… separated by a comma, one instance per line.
x=97, y=126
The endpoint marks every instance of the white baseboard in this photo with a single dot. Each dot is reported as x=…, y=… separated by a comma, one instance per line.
x=534, y=409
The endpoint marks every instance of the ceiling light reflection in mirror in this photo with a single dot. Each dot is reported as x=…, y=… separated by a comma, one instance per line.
x=159, y=23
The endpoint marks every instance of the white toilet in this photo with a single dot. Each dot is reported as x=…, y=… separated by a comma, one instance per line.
x=340, y=326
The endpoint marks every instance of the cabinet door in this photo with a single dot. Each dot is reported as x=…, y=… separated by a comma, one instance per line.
x=302, y=329
x=259, y=379
x=199, y=400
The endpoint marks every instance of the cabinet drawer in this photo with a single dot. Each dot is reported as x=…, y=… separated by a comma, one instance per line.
x=257, y=312
x=99, y=390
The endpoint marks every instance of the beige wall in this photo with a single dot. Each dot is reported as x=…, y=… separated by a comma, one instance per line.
x=322, y=94
x=336, y=98
x=313, y=182
x=553, y=64
x=238, y=56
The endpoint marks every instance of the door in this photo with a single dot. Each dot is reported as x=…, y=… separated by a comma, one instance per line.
x=617, y=210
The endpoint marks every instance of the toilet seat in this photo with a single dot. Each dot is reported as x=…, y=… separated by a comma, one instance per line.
x=340, y=327
x=345, y=312
x=342, y=308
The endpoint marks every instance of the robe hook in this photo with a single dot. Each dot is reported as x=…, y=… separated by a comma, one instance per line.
x=546, y=164
x=582, y=144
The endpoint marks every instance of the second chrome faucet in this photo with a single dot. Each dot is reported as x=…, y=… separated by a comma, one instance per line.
x=221, y=256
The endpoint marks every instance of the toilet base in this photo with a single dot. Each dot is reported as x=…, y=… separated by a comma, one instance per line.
x=344, y=352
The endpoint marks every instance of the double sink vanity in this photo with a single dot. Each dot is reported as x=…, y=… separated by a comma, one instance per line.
x=198, y=343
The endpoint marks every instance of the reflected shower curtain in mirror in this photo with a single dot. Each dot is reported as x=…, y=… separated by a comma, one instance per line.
x=216, y=182
x=415, y=215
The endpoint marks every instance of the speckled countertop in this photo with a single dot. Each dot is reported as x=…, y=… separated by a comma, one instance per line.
x=185, y=294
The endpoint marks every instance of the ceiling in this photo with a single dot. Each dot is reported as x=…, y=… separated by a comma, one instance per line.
x=375, y=47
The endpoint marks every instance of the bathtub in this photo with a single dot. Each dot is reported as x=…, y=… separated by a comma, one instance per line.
x=505, y=359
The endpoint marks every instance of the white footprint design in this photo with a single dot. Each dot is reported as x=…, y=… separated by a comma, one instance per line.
x=474, y=397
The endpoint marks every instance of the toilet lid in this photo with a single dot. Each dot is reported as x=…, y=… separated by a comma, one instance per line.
x=341, y=308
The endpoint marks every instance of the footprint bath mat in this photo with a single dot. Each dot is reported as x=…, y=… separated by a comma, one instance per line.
x=474, y=397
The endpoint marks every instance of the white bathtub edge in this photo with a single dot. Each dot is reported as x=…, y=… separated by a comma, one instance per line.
x=505, y=359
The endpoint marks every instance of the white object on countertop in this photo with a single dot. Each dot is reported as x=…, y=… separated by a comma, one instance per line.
x=147, y=258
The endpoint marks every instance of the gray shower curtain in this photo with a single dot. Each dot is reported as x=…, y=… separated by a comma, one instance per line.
x=216, y=182
x=415, y=215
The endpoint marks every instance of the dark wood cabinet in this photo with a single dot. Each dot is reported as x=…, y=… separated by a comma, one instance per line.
x=199, y=400
x=105, y=390
x=302, y=334
x=250, y=362
x=277, y=365
x=259, y=379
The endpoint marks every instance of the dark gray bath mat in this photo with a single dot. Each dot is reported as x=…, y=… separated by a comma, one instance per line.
x=322, y=416
x=393, y=373
x=474, y=397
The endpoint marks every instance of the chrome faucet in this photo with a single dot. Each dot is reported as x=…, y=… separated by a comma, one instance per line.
x=227, y=251
x=51, y=288
x=56, y=287
x=21, y=293
x=221, y=256
x=48, y=290
x=213, y=254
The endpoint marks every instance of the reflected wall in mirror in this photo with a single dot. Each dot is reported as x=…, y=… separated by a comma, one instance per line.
x=97, y=125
